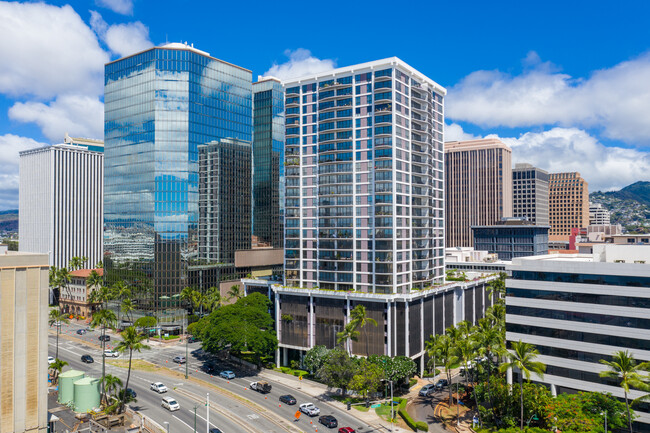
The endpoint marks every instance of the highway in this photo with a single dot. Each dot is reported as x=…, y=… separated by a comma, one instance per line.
x=235, y=408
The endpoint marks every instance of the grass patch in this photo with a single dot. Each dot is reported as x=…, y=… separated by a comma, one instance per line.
x=171, y=337
x=383, y=411
x=136, y=364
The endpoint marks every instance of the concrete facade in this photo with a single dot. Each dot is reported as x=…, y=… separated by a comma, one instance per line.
x=568, y=203
x=23, y=342
x=530, y=194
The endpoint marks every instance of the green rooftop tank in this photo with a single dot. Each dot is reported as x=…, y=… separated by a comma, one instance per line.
x=66, y=387
x=86, y=394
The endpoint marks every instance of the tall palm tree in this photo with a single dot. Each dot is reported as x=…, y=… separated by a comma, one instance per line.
x=522, y=357
x=131, y=341
x=56, y=317
x=466, y=350
x=121, y=291
x=234, y=292
x=77, y=262
x=489, y=342
x=348, y=334
x=94, y=283
x=447, y=356
x=127, y=308
x=623, y=366
x=359, y=317
x=432, y=348
x=110, y=383
x=188, y=294
x=213, y=298
x=57, y=366
x=63, y=280
x=104, y=318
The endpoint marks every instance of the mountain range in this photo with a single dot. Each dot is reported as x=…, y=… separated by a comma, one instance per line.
x=629, y=206
x=9, y=220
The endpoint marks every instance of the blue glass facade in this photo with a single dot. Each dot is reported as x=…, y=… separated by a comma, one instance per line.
x=160, y=106
x=268, y=160
x=511, y=241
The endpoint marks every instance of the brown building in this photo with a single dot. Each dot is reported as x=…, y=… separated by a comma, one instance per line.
x=568, y=203
x=478, y=187
x=74, y=298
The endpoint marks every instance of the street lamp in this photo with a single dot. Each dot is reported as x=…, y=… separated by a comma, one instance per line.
x=391, y=403
x=605, y=415
x=166, y=426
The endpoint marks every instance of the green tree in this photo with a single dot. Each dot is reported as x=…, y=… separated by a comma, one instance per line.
x=584, y=412
x=77, y=263
x=105, y=319
x=56, y=318
x=234, y=292
x=57, y=366
x=63, y=281
x=448, y=358
x=498, y=287
x=315, y=357
x=466, y=350
x=522, y=357
x=359, y=317
x=400, y=369
x=348, y=334
x=489, y=343
x=131, y=341
x=432, y=349
x=624, y=367
x=189, y=295
x=213, y=298
x=127, y=308
x=111, y=384
x=367, y=379
x=338, y=370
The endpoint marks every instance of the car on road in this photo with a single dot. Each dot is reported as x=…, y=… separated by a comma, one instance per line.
x=215, y=430
x=193, y=339
x=424, y=391
x=81, y=331
x=288, y=399
x=111, y=354
x=104, y=338
x=87, y=359
x=346, y=430
x=131, y=393
x=441, y=383
x=309, y=409
x=227, y=374
x=170, y=404
x=261, y=386
x=179, y=359
x=328, y=421
x=50, y=360
x=159, y=387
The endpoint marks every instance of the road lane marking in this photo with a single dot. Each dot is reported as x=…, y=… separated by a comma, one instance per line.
x=188, y=426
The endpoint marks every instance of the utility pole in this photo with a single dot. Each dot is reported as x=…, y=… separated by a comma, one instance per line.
x=207, y=417
x=391, y=406
x=186, y=349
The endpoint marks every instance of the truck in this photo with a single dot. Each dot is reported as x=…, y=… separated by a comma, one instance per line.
x=261, y=386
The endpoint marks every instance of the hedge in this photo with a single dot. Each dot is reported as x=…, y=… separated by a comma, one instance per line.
x=401, y=410
x=421, y=425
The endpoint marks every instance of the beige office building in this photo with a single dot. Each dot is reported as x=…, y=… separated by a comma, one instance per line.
x=23, y=342
x=478, y=187
x=568, y=203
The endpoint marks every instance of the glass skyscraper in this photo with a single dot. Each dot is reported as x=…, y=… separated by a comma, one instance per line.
x=268, y=158
x=160, y=106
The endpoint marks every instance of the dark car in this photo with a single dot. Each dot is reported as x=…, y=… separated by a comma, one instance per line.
x=215, y=430
x=87, y=359
x=287, y=399
x=442, y=383
x=193, y=339
x=328, y=421
x=81, y=331
x=104, y=338
x=131, y=393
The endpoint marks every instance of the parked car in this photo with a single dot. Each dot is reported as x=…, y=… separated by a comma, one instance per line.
x=309, y=409
x=261, y=386
x=346, y=430
x=104, y=338
x=170, y=404
x=227, y=374
x=179, y=359
x=87, y=359
x=81, y=331
x=441, y=383
x=111, y=354
x=158, y=387
x=424, y=391
x=328, y=421
x=288, y=399
x=50, y=360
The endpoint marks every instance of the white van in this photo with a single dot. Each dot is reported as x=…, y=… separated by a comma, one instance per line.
x=170, y=404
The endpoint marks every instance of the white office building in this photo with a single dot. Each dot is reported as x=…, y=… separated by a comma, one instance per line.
x=580, y=308
x=598, y=214
x=364, y=179
x=62, y=202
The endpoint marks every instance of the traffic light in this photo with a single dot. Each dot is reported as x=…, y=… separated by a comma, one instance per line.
x=367, y=403
x=349, y=406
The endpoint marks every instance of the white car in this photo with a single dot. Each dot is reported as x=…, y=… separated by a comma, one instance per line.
x=424, y=391
x=111, y=354
x=158, y=387
x=170, y=404
x=50, y=360
x=309, y=409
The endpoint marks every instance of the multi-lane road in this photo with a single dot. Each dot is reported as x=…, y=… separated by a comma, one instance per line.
x=234, y=407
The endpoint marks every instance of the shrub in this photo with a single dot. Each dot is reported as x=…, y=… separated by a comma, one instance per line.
x=412, y=382
x=407, y=418
x=285, y=370
x=421, y=425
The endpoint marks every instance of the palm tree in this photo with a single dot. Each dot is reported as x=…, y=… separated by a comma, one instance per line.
x=131, y=341
x=77, y=262
x=56, y=317
x=104, y=318
x=348, y=334
x=489, y=341
x=110, y=383
x=466, y=350
x=94, y=283
x=213, y=298
x=359, y=317
x=57, y=366
x=234, y=292
x=522, y=357
x=127, y=308
x=188, y=294
x=623, y=366
x=447, y=356
x=63, y=279
x=432, y=349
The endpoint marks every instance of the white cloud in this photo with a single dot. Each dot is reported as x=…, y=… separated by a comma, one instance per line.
x=615, y=100
x=48, y=50
x=80, y=115
x=124, y=7
x=454, y=132
x=121, y=39
x=571, y=149
x=300, y=63
x=10, y=146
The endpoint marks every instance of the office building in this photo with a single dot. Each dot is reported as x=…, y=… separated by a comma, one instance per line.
x=580, y=308
x=568, y=203
x=74, y=298
x=512, y=238
x=161, y=105
x=530, y=194
x=23, y=341
x=89, y=143
x=268, y=162
x=61, y=203
x=598, y=214
x=224, y=200
x=364, y=179
x=478, y=187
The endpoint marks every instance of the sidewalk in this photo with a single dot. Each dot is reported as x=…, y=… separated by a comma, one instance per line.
x=320, y=393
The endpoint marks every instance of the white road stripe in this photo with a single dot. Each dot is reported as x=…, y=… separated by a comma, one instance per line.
x=188, y=426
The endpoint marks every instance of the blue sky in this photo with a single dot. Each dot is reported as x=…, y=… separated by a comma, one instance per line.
x=565, y=84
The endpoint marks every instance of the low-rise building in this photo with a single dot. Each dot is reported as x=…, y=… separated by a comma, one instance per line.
x=74, y=298
x=512, y=238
